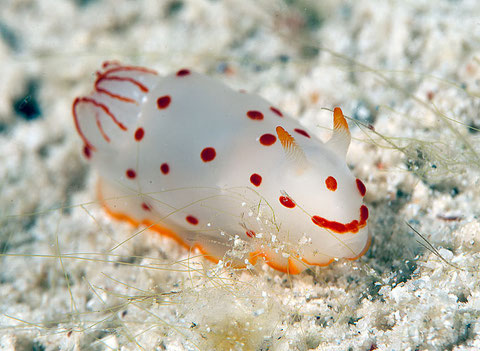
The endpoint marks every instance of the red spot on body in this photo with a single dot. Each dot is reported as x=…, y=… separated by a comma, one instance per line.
x=250, y=233
x=331, y=183
x=87, y=152
x=139, y=133
x=276, y=111
x=164, y=168
x=256, y=179
x=183, y=72
x=268, y=139
x=255, y=115
x=163, y=102
x=146, y=207
x=208, y=154
x=192, y=220
x=361, y=187
x=287, y=202
x=342, y=228
x=131, y=173
x=363, y=213
x=302, y=132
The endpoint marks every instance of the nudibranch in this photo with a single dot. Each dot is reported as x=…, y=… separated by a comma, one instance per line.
x=220, y=171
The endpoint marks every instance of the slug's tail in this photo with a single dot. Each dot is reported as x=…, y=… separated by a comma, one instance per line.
x=106, y=114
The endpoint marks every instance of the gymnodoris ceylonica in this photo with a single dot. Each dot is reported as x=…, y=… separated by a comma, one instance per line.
x=221, y=171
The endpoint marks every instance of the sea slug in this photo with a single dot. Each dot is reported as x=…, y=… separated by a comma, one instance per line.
x=221, y=171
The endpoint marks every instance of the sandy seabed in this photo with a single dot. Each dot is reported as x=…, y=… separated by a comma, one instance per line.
x=407, y=73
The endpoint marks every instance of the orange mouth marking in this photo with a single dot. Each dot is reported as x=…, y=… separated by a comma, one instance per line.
x=342, y=228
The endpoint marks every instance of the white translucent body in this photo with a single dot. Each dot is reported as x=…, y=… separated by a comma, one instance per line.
x=205, y=113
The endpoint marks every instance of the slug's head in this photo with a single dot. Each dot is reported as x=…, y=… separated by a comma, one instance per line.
x=328, y=198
